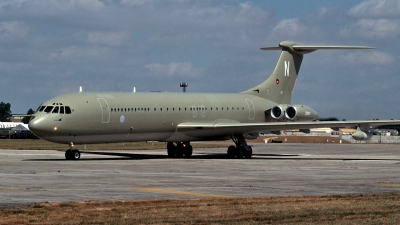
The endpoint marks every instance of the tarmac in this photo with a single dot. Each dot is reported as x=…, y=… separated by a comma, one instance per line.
x=32, y=176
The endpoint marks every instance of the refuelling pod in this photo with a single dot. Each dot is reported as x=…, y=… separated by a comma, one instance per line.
x=360, y=135
x=300, y=112
x=278, y=112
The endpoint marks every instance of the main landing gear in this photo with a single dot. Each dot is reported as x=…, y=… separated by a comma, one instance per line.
x=181, y=149
x=71, y=153
x=241, y=150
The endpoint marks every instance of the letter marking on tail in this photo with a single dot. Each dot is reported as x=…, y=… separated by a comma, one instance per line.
x=287, y=67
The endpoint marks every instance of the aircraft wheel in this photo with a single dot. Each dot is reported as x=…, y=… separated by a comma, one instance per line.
x=75, y=154
x=171, y=149
x=248, y=155
x=231, y=152
x=240, y=153
x=188, y=150
x=68, y=154
x=179, y=151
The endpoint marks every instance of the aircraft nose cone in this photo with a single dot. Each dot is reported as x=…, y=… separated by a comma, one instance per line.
x=38, y=126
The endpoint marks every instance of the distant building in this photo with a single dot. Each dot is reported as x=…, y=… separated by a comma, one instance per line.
x=16, y=118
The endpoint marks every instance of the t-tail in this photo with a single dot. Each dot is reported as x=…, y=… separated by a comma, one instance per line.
x=279, y=86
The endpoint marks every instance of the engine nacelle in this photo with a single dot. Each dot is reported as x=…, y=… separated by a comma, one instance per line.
x=361, y=135
x=278, y=111
x=300, y=112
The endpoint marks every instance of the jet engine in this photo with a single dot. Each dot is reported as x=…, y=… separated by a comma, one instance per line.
x=360, y=135
x=300, y=112
x=277, y=112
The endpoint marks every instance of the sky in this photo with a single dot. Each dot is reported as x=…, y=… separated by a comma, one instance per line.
x=52, y=47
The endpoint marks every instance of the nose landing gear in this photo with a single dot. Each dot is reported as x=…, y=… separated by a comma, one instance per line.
x=71, y=153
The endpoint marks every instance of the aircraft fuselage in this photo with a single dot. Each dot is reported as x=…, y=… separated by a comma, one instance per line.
x=127, y=117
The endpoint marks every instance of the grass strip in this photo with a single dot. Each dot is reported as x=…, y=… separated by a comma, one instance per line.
x=339, y=209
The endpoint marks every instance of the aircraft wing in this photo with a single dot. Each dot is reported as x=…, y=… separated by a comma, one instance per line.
x=236, y=127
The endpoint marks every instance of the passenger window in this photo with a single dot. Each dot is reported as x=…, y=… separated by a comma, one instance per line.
x=61, y=109
x=48, y=109
x=67, y=110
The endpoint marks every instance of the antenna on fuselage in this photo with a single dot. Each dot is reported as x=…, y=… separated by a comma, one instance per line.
x=80, y=89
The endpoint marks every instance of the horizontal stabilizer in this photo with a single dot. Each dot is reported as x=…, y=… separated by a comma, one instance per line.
x=304, y=49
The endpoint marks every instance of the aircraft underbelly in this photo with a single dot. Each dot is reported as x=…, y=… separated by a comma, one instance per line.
x=109, y=138
x=129, y=137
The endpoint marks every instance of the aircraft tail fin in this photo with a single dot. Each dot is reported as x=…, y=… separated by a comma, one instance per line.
x=279, y=86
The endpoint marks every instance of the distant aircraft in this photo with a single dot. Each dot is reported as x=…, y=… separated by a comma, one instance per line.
x=179, y=118
x=10, y=128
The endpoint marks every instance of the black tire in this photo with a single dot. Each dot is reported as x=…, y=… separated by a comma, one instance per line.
x=249, y=154
x=188, y=151
x=231, y=152
x=76, y=155
x=179, y=151
x=68, y=154
x=240, y=153
x=171, y=150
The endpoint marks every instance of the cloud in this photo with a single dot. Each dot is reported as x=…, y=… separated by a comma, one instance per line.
x=377, y=9
x=372, y=29
x=290, y=27
x=77, y=53
x=107, y=38
x=12, y=30
x=369, y=58
x=173, y=69
x=155, y=44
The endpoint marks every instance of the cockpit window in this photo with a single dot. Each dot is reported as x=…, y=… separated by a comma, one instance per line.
x=67, y=110
x=55, y=110
x=40, y=109
x=48, y=109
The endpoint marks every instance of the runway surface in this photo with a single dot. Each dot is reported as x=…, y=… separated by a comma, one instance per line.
x=29, y=176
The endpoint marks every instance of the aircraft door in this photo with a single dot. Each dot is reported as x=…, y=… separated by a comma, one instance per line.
x=105, y=110
x=194, y=110
x=252, y=111
x=203, y=111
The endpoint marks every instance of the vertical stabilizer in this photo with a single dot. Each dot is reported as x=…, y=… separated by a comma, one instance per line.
x=279, y=86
